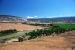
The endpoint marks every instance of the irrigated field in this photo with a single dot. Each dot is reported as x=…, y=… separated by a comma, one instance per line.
x=67, y=26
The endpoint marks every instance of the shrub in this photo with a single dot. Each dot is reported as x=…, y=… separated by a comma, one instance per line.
x=20, y=39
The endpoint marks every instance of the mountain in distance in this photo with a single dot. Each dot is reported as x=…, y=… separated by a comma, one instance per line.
x=9, y=18
x=58, y=19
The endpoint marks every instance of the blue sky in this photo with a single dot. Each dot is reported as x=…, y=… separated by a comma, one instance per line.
x=38, y=8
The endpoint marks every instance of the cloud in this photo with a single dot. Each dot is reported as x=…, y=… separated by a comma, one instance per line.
x=32, y=17
x=35, y=16
x=29, y=17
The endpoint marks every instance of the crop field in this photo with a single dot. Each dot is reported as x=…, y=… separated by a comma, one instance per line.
x=66, y=26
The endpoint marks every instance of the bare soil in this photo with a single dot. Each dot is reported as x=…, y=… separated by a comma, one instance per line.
x=17, y=26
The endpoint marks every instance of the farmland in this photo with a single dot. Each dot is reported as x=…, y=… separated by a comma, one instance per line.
x=56, y=36
x=36, y=31
x=67, y=26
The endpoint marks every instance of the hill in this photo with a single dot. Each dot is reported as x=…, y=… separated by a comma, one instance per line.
x=9, y=18
x=59, y=19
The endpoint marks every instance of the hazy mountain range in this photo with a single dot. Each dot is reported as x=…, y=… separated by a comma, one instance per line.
x=9, y=18
x=59, y=19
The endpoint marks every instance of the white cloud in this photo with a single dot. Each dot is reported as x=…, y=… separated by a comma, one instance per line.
x=35, y=16
x=32, y=17
x=29, y=17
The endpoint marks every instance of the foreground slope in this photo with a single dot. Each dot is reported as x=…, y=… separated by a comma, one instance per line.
x=44, y=43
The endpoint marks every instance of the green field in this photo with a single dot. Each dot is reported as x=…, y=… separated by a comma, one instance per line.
x=66, y=26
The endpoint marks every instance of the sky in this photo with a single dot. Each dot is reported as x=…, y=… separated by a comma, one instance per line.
x=37, y=8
